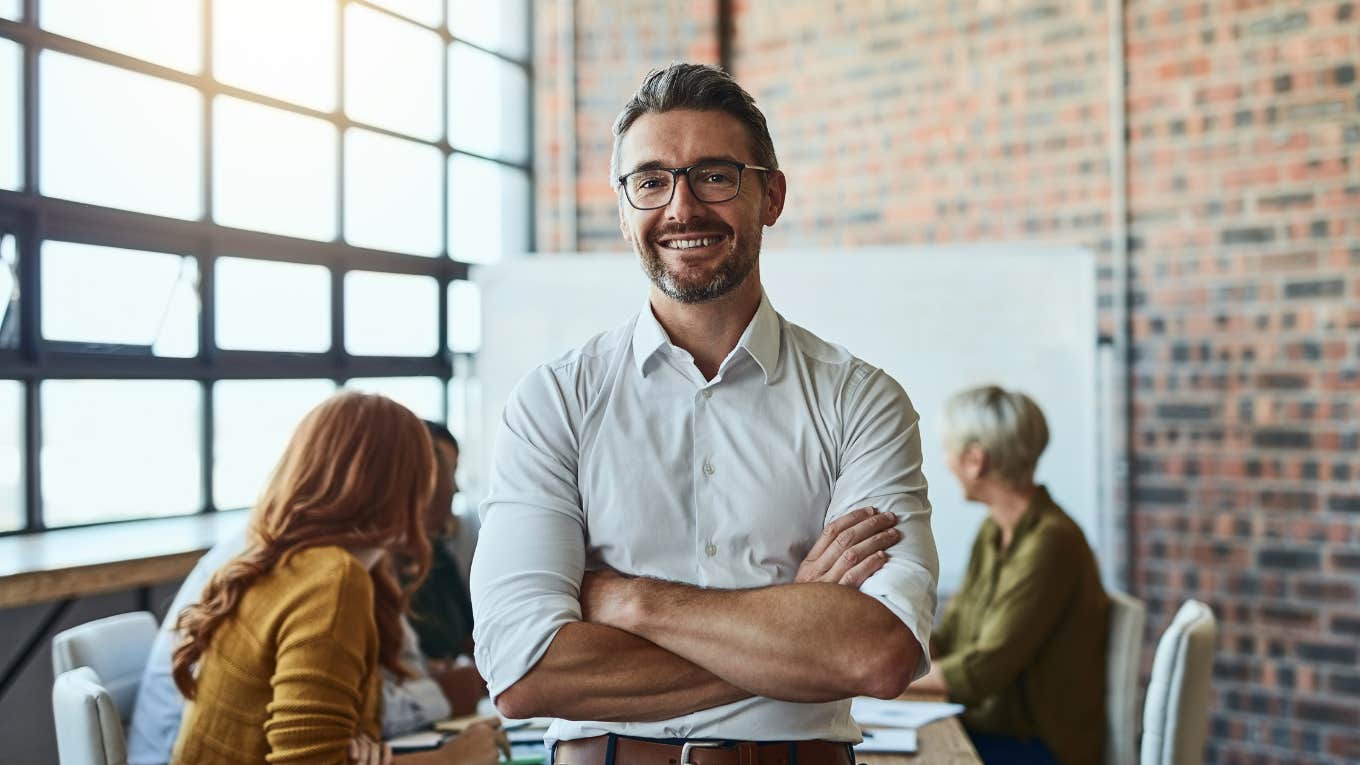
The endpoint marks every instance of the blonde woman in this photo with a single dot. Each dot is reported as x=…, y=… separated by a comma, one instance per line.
x=1022, y=642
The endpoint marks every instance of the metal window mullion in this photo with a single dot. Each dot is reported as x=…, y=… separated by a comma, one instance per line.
x=33, y=515
x=337, y=271
x=206, y=258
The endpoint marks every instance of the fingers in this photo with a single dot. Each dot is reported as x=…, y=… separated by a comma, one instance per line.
x=864, y=569
x=834, y=528
x=503, y=743
x=862, y=552
x=386, y=754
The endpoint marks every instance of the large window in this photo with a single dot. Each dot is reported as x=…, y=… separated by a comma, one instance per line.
x=214, y=214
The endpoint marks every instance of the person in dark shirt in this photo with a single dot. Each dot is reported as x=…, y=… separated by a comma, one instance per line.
x=441, y=611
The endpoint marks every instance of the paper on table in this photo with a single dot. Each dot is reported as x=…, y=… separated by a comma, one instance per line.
x=901, y=714
x=425, y=739
x=888, y=740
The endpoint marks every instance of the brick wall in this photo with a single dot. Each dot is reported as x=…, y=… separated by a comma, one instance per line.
x=1244, y=122
x=911, y=122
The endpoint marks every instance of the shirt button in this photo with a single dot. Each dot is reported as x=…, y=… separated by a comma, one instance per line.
x=708, y=468
x=708, y=393
x=711, y=549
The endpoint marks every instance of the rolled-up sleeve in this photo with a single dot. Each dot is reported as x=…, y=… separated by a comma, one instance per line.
x=881, y=467
x=530, y=556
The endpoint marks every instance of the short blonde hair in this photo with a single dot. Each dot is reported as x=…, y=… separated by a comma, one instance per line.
x=1007, y=425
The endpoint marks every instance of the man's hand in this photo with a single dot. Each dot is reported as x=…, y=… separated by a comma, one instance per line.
x=851, y=548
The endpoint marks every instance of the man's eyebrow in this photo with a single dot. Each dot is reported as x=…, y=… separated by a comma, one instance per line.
x=657, y=164
x=654, y=164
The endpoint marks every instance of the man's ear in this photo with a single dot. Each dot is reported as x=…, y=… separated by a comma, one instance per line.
x=623, y=222
x=772, y=203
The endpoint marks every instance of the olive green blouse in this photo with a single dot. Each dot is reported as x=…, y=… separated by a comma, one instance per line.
x=1022, y=643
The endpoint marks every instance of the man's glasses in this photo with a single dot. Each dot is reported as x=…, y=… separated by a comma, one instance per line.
x=713, y=181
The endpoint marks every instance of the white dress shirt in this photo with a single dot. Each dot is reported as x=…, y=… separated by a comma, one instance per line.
x=620, y=454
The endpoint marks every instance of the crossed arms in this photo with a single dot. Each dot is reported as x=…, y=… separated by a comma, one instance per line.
x=653, y=650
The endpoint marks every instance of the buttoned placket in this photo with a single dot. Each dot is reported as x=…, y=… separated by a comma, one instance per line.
x=705, y=523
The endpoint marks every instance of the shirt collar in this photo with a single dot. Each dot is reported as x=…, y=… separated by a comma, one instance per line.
x=1038, y=504
x=760, y=340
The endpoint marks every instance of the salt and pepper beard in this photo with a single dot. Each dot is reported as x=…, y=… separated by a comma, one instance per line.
x=732, y=271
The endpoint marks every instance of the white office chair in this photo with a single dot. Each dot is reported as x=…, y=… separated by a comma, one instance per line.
x=1175, y=715
x=1123, y=662
x=89, y=728
x=91, y=707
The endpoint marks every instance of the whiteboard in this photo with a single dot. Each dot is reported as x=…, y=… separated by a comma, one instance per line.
x=938, y=319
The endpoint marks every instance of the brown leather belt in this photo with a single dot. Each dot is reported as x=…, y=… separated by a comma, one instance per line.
x=639, y=751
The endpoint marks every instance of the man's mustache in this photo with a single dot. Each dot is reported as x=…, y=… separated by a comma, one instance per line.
x=700, y=227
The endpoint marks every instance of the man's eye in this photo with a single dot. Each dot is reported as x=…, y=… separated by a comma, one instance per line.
x=717, y=178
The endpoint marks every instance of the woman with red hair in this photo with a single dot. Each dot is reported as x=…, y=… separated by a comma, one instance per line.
x=280, y=656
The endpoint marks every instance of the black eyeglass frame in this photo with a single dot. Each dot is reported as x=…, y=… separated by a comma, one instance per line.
x=676, y=172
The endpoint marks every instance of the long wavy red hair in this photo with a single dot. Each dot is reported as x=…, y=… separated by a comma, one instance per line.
x=357, y=474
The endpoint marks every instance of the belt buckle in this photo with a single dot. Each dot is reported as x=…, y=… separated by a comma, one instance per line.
x=684, y=750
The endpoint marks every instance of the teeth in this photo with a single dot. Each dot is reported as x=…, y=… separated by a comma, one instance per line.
x=685, y=244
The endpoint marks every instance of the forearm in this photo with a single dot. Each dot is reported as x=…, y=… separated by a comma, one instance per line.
x=833, y=642
x=597, y=672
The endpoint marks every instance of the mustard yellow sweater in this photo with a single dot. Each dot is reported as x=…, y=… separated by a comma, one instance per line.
x=292, y=676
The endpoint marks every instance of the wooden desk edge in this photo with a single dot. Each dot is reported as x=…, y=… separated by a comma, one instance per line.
x=31, y=587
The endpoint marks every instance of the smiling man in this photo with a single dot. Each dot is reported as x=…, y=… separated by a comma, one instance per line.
x=683, y=548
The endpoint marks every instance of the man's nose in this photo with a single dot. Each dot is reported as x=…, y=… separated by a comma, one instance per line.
x=684, y=205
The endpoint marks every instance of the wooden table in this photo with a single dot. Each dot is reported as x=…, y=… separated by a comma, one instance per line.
x=942, y=742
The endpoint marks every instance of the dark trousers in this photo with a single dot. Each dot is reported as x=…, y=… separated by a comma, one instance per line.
x=1013, y=751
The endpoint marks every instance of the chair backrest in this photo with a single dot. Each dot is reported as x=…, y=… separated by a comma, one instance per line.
x=89, y=729
x=1175, y=715
x=1123, y=662
x=116, y=648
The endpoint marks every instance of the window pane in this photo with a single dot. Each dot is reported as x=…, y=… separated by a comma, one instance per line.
x=11, y=455
x=252, y=422
x=144, y=159
x=488, y=210
x=9, y=292
x=264, y=306
x=96, y=294
x=11, y=116
x=281, y=49
x=488, y=102
x=274, y=170
x=501, y=26
x=422, y=395
x=166, y=32
x=393, y=193
x=428, y=12
x=465, y=317
x=391, y=314
x=392, y=73
x=11, y=9
x=115, y=449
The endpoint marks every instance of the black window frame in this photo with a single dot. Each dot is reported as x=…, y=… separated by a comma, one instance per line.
x=32, y=218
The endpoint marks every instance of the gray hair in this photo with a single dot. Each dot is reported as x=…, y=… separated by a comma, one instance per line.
x=1007, y=425
x=699, y=87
